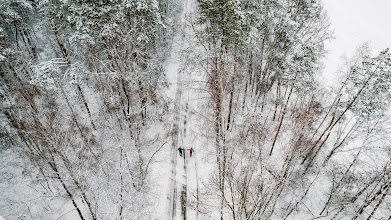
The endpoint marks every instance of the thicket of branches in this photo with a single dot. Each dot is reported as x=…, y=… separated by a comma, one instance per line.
x=82, y=91
x=285, y=146
x=82, y=98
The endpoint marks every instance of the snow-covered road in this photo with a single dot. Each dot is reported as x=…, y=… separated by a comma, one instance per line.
x=183, y=167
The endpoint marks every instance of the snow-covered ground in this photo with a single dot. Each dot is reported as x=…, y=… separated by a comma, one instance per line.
x=178, y=176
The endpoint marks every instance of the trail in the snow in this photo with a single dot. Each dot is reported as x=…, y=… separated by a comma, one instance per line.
x=172, y=197
x=174, y=68
x=184, y=183
x=184, y=175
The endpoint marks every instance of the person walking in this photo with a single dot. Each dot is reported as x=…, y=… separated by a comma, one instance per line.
x=180, y=151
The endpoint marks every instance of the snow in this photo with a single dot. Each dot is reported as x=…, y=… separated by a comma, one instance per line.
x=182, y=174
x=355, y=22
x=21, y=195
x=177, y=182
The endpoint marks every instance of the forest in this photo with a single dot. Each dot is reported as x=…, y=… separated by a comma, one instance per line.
x=188, y=109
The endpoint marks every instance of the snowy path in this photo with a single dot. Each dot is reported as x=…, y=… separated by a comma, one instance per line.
x=176, y=208
x=181, y=166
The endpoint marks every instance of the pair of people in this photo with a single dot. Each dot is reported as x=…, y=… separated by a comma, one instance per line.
x=182, y=151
